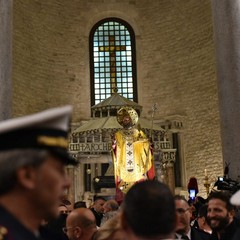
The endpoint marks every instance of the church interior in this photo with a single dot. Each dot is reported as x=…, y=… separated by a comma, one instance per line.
x=171, y=79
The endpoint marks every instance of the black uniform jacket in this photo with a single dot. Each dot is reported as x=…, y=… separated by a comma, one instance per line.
x=12, y=229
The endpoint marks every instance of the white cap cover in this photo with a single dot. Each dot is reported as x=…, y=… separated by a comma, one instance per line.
x=235, y=199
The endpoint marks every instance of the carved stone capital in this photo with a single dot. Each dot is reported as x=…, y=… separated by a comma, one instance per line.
x=168, y=157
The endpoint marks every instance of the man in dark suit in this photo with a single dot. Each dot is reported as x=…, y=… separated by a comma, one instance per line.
x=221, y=216
x=80, y=224
x=33, y=155
x=97, y=209
x=183, y=215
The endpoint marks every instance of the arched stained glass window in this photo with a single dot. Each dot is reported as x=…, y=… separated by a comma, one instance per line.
x=112, y=60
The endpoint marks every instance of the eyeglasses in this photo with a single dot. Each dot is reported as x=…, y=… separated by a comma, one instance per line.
x=181, y=210
x=65, y=229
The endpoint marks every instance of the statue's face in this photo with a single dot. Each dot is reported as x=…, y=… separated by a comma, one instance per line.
x=127, y=117
x=127, y=122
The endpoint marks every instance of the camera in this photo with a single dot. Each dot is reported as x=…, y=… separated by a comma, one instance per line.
x=220, y=179
x=227, y=184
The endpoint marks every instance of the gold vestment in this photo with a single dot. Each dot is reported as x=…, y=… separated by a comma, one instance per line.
x=133, y=158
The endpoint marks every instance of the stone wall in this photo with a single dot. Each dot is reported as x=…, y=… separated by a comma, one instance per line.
x=175, y=65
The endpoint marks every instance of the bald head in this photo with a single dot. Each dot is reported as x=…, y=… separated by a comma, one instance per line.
x=81, y=224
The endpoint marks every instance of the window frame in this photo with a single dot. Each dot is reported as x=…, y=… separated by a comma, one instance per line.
x=91, y=56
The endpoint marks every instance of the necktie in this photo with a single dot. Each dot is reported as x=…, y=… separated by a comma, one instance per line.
x=185, y=237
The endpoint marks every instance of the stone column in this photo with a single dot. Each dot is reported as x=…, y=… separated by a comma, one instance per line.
x=226, y=20
x=71, y=190
x=168, y=159
x=171, y=176
x=181, y=158
x=5, y=58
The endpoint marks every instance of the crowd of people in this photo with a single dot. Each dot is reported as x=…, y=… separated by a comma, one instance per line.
x=33, y=155
x=150, y=211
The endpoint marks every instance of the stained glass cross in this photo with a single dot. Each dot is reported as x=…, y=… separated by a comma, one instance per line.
x=112, y=49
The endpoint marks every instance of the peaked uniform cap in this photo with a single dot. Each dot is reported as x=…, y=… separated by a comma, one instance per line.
x=44, y=130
